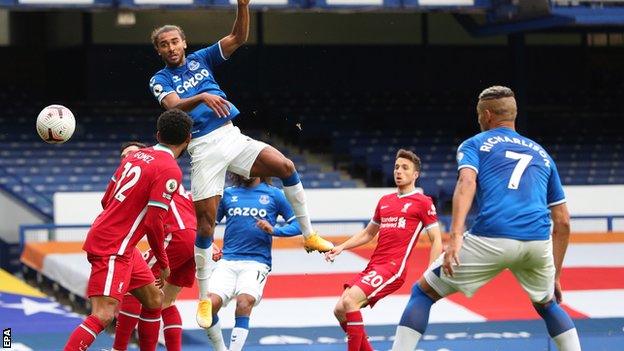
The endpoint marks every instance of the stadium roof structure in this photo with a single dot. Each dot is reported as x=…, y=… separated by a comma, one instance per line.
x=479, y=17
x=514, y=16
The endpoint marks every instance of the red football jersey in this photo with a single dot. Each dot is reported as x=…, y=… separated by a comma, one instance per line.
x=401, y=218
x=181, y=212
x=148, y=177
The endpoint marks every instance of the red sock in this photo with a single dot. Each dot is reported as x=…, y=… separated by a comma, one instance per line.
x=84, y=335
x=127, y=320
x=149, y=324
x=355, y=330
x=172, y=327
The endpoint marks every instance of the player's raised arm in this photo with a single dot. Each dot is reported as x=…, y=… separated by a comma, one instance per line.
x=462, y=201
x=561, y=235
x=240, y=31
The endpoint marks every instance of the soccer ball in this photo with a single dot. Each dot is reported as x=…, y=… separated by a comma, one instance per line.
x=55, y=124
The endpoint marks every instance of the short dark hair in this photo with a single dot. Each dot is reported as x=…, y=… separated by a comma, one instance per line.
x=496, y=92
x=409, y=155
x=163, y=29
x=127, y=144
x=174, y=127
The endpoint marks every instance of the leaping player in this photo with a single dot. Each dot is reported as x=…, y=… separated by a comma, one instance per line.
x=217, y=146
x=399, y=219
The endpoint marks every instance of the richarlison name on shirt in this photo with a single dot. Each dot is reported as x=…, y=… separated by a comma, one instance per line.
x=489, y=143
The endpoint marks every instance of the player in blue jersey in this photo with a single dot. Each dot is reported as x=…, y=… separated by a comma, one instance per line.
x=518, y=192
x=217, y=146
x=251, y=208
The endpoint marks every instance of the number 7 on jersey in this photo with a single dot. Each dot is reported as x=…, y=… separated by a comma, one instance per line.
x=523, y=162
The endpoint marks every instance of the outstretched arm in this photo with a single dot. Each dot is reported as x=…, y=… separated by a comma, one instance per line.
x=240, y=31
x=358, y=239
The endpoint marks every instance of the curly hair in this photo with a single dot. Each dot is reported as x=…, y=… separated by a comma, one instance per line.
x=174, y=126
x=163, y=29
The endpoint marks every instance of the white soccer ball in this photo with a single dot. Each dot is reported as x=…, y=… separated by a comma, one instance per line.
x=55, y=124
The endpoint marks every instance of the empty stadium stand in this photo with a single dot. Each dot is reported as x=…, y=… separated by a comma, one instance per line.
x=33, y=170
x=359, y=132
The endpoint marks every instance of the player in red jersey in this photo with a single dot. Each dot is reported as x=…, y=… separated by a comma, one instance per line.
x=399, y=218
x=180, y=225
x=134, y=207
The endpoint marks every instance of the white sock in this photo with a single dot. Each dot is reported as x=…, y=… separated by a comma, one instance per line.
x=296, y=196
x=203, y=270
x=216, y=337
x=568, y=341
x=405, y=339
x=237, y=340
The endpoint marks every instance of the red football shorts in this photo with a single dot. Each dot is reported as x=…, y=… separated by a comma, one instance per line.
x=180, y=251
x=377, y=281
x=115, y=275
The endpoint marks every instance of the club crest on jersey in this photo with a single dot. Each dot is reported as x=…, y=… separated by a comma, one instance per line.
x=171, y=185
x=264, y=199
x=193, y=65
x=401, y=223
x=406, y=206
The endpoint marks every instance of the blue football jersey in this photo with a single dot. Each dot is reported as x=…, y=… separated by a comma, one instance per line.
x=242, y=207
x=517, y=181
x=195, y=76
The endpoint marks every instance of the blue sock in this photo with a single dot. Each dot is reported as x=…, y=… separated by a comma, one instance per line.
x=202, y=241
x=292, y=180
x=557, y=320
x=241, y=322
x=215, y=320
x=416, y=313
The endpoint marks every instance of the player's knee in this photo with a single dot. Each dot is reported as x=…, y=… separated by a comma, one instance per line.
x=244, y=304
x=349, y=303
x=168, y=301
x=154, y=299
x=286, y=168
x=217, y=302
x=105, y=316
x=205, y=228
x=339, y=309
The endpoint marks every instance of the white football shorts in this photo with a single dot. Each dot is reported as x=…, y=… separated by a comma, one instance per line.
x=482, y=258
x=224, y=149
x=232, y=278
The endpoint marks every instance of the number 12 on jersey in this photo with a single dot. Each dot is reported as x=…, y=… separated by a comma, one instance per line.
x=523, y=162
x=129, y=171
